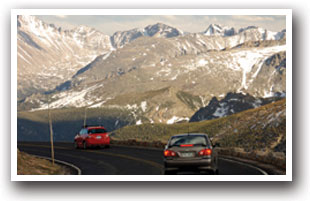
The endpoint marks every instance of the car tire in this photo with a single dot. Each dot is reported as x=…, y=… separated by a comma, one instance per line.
x=84, y=145
x=107, y=146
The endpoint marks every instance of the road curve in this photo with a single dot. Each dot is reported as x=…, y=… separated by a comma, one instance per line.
x=120, y=160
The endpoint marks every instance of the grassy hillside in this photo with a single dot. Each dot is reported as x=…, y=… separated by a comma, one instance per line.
x=262, y=129
x=160, y=105
x=30, y=165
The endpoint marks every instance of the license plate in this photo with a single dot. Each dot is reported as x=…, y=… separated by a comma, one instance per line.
x=98, y=137
x=187, y=154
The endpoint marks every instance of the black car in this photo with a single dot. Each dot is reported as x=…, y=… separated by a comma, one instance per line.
x=191, y=151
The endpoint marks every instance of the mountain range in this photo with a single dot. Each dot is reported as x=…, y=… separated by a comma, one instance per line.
x=158, y=73
x=263, y=34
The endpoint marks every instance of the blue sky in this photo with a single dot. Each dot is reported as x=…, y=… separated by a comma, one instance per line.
x=109, y=24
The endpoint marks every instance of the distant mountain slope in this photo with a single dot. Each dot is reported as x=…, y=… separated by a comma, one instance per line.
x=144, y=66
x=231, y=104
x=159, y=30
x=215, y=29
x=163, y=74
x=261, y=34
x=172, y=59
x=48, y=56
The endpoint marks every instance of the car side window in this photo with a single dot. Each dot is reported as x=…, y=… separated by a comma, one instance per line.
x=83, y=131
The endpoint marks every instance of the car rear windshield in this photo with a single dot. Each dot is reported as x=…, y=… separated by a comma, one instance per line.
x=97, y=130
x=189, y=139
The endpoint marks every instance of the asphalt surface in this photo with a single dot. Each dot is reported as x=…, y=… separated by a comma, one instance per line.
x=121, y=160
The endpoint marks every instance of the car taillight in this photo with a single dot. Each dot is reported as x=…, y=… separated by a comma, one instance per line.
x=186, y=145
x=169, y=153
x=205, y=152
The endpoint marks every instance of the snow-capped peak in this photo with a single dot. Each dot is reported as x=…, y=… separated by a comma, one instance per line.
x=45, y=52
x=224, y=31
x=247, y=28
x=33, y=24
x=28, y=19
x=213, y=29
x=82, y=29
x=121, y=38
x=218, y=30
x=160, y=29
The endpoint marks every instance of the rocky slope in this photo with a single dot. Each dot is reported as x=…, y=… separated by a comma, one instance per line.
x=48, y=56
x=174, y=88
x=231, y=104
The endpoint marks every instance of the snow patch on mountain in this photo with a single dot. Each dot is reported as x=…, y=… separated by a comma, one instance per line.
x=70, y=99
x=221, y=111
x=176, y=119
x=139, y=122
x=143, y=106
x=232, y=103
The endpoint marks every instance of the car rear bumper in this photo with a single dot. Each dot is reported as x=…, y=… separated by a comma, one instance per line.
x=202, y=164
x=97, y=142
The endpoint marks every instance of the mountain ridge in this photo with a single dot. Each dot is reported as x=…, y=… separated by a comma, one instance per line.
x=194, y=68
x=48, y=56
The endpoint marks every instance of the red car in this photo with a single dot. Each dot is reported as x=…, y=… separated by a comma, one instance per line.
x=92, y=136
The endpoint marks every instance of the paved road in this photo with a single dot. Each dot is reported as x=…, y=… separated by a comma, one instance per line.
x=120, y=160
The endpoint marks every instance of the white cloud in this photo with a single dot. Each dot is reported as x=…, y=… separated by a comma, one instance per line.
x=252, y=18
x=62, y=16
